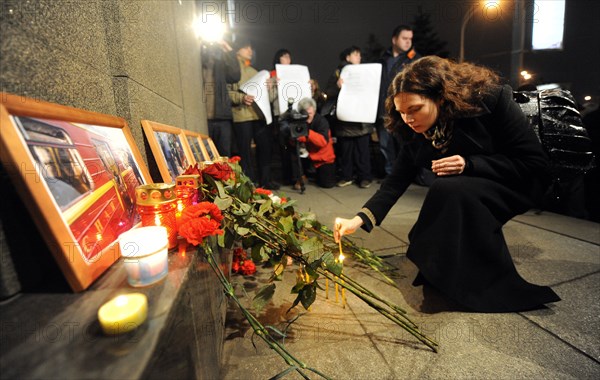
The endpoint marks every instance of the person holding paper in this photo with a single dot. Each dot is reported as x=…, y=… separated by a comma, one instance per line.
x=352, y=138
x=249, y=123
x=459, y=121
x=282, y=57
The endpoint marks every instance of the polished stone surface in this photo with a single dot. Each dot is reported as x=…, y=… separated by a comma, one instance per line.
x=559, y=342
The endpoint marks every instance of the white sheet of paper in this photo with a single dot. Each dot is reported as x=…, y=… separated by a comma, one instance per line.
x=257, y=87
x=359, y=95
x=294, y=82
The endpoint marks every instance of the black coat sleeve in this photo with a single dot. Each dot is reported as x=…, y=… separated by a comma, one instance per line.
x=395, y=184
x=232, y=68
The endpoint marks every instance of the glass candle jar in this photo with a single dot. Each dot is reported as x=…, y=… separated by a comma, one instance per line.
x=157, y=206
x=188, y=189
x=144, y=252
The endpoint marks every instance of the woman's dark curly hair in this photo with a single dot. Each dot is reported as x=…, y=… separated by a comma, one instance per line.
x=458, y=89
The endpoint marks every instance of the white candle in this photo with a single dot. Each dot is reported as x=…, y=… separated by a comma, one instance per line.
x=144, y=252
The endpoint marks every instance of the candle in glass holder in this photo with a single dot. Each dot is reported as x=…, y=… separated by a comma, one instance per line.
x=157, y=206
x=144, y=252
x=187, y=190
x=123, y=313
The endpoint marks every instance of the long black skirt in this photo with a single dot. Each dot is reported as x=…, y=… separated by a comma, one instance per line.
x=458, y=245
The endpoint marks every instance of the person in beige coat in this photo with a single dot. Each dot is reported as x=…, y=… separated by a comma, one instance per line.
x=249, y=123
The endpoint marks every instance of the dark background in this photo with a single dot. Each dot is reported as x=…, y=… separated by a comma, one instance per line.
x=316, y=31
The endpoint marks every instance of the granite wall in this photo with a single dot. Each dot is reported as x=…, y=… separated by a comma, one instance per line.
x=130, y=58
x=137, y=59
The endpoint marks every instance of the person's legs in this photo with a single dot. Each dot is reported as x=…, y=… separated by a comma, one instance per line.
x=326, y=175
x=264, y=148
x=220, y=131
x=243, y=136
x=362, y=158
x=345, y=146
x=387, y=145
x=458, y=245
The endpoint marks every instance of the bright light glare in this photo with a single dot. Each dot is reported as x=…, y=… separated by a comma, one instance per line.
x=548, y=24
x=211, y=30
x=527, y=76
x=524, y=72
x=587, y=98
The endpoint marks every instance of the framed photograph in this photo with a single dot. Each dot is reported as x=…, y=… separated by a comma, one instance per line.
x=210, y=147
x=194, y=141
x=77, y=172
x=169, y=148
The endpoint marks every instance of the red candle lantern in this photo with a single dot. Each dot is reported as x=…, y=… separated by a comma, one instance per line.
x=157, y=206
x=188, y=190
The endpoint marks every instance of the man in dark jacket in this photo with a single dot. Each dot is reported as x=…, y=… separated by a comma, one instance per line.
x=219, y=67
x=393, y=61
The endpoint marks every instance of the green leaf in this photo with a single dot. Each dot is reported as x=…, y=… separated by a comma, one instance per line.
x=220, y=188
x=223, y=203
x=244, y=192
x=286, y=224
x=263, y=296
x=265, y=207
x=312, y=249
x=242, y=231
x=307, y=295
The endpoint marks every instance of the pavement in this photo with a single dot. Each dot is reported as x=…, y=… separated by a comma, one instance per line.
x=561, y=341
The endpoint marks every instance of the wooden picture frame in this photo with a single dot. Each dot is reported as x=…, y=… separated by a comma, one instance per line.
x=169, y=148
x=76, y=171
x=197, y=148
x=210, y=147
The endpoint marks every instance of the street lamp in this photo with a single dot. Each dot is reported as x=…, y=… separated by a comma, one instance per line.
x=465, y=20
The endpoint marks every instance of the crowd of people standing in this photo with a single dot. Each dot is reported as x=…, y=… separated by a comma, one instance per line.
x=333, y=153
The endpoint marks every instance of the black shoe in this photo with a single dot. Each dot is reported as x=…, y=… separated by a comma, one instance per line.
x=271, y=186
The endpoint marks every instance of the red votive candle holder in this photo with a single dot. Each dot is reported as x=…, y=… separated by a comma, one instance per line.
x=157, y=206
x=188, y=187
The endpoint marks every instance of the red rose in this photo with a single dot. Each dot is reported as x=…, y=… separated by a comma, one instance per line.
x=262, y=191
x=248, y=267
x=283, y=200
x=192, y=169
x=200, y=210
x=199, y=221
x=235, y=159
x=195, y=230
x=219, y=170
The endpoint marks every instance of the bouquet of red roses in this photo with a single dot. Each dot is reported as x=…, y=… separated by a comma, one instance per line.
x=241, y=263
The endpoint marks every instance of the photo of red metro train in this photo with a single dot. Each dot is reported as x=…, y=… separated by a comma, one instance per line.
x=92, y=176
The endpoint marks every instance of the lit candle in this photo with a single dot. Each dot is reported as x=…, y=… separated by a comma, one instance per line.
x=144, y=252
x=157, y=206
x=123, y=313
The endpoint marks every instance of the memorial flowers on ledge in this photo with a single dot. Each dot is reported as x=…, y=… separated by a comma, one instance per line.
x=270, y=228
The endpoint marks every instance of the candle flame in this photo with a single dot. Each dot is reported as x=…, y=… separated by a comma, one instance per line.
x=121, y=301
x=157, y=220
x=341, y=257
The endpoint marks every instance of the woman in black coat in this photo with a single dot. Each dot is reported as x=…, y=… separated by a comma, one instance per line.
x=457, y=120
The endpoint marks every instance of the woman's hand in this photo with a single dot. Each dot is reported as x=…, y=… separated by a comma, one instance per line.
x=448, y=165
x=248, y=100
x=340, y=82
x=345, y=227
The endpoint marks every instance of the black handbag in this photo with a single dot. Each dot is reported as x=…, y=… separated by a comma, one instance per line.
x=554, y=117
